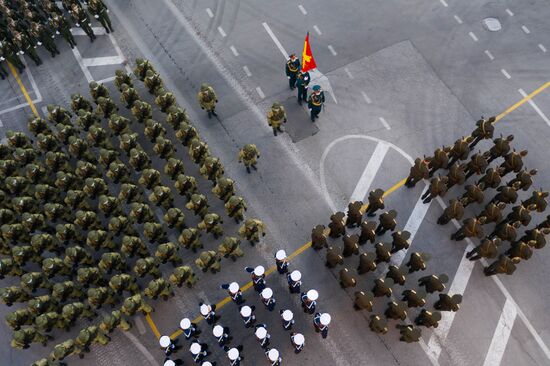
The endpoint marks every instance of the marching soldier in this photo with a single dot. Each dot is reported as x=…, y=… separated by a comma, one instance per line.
x=291, y=68
x=186, y=133
x=438, y=187
x=503, y=264
x=367, y=262
x=224, y=188
x=99, y=296
x=396, y=310
x=506, y=231
x=298, y=341
x=420, y=170
x=460, y=149
x=354, y=216
x=315, y=102
x=47, y=321
x=142, y=111
x=520, y=250
x=142, y=66
x=472, y=227
x=164, y=147
x=23, y=338
x=513, y=161
x=88, y=336
x=164, y=99
x=198, y=204
x=266, y=296
x=186, y=185
x=302, y=82
x=123, y=282
x=337, y=225
x=82, y=20
x=536, y=237
x=122, y=78
x=98, y=9
x=211, y=223
x=294, y=281
x=376, y=202
x=507, y=194
x=456, y=175
x=135, y=303
x=234, y=291
x=382, y=287
x=235, y=208
x=487, y=249
x=208, y=260
x=537, y=200
x=147, y=265
x=484, y=130
x=309, y=300
x=176, y=117
x=162, y=196
x=207, y=99
x=287, y=318
x=158, y=287
x=346, y=279
x=76, y=311
x=414, y=298
x=281, y=261
x=334, y=257
x=247, y=314
x=173, y=168
x=448, y=303
x=350, y=245
x=409, y=333
x=387, y=222
x=251, y=230
x=493, y=212
x=477, y=165
x=61, y=26
x=258, y=277
x=368, y=232
x=440, y=160
x=519, y=213
x=377, y=324
x=13, y=294
x=62, y=350
x=397, y=274
x=363, y=300
x=500, y=148
x=211, y=169
x=400, y=241
x=474, y=193
x=525, y=178
x=181, y=275
x=428, y=319
x=190, y=239
x=318, y=237
x=198, y=151
x=383, y=252
x=248, y=155
x=168, y=252
x=174, y=217
x=87, y=276
x=128, y=95
x=114, y=320
x=417, y=261
x=18, y=318
x=276, y=116
x=321, y=322
x=433, y=283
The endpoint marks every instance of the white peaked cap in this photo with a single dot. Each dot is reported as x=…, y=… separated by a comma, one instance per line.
x=185, y=323
x=325, y=319
x=273, y=355
x=217, y=331
x=280, y=255
x=205, y=309
x=295, y=275
x=246, y=310
x=169, y=363
x=288, y=315
x=259, y=270
x=206, y=363
x=164, y=341
x=233, y=287
x=312, y=295
x=261, y=332
x=267, y=293
x=195, y=348
x=233, y=354
x=299, y=339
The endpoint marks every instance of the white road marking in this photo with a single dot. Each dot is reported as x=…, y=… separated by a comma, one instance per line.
x=234, y=50
x=141, y=348
x=510, y=12
x=349, y=73
x=525, y=29
x=247, y=71
x=302, y=9
x=106, y=80
x=222, y=32
x=119, y=52
x=316, y=29
x=542, y=48
x=83, y=67
x=1, y=124
x=331, y=49
x=501, y=335
x=33, y=83
x=458, y=20
x=102, y=61
x=366, y=97
x=474, y=37
x=260, y=92
x=489, y=55
x=443, y=3
x=140, y=326
x=275, y=40
x=385, y=123
x=98, y=31
x=366, y=179
x=505, y=73
x=535, y=107
x=209, y=12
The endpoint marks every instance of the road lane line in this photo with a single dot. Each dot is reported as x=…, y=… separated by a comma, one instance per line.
x=525, y=29
x=542, y=48
x=275, y=40
x=331, y=49
x=247, y=71
x=209, y=12
x=152, y=325
x=234, y=50
x=302, y=9
x=458, y=20
x=83, y=67
x=119, y=52
x=366, y=97
x=260, y=92
x=443, y=3
x=535, y=107
x=98, y=31
x=501, y=335
x=489, y=54
x=385, y=123
x=222, y=32
x=510, y=12
x=316, y=29
x=141, y=348
x=102, y=61
x=33, y=83
x=525, y=99
x=140, y=326
x=473, y=35
x=364, y=183
x=1, y=123
x=23, y=89
x=349, y=73
x=505, y=73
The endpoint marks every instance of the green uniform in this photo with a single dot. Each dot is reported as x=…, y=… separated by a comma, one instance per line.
x=174, y=217
x=75, y=311
x=88, y=336
x=118, y=124
x=158, y=287
x=154, y=232
x=207, y=99
x=333, y=257
x=198, y=204
x=18, y=318
x=211, y=168
x=111, y=261
x=63, y=350
x=123, y=78
x=114, y=320
x=24, y=337
x=186, y=185
x=186, y=133
x=135, y=303
x=164, y=147
x=98, y=9
x=251, y=230
x=235, y=208
x=181, y=275
x=142, y=66
x=162, y=196
x=168, y=252
x=211, y=223
x=147, y=265
x=173, y=168
x=198, y=151
x=128, y=95
x=230, y=247
x=123, y=282
x=140, y=212
x=249, y=155
x=132, y=246
x=110, y=205
x=64, y=290
x=164, y=100
x=121, y=225
x=141, y=111
x=224, y=188
x=276, y=116
x=208, y=260
x=190, y=239
x=153, y=82
x=31, y=281
x=127, y=142
x=130, y=193
x=99, y=296
x=87, y=276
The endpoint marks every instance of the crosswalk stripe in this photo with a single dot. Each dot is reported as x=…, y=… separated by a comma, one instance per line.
x=369, y=173
x=501, y=335
x=102, y=61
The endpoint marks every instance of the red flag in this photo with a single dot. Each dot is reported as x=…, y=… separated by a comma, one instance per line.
x=308, y=62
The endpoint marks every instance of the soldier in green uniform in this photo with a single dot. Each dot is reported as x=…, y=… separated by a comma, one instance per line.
x=377, y=324
x=168, y=252
x=176, y=117
x=99, y=296
x=118, y=124
x=63, y=350
x=363, y=300
x=164, y=147
x=135, y=303
x=121, y=224
x=346, y=279
x=109, y=205
x=230, y=248
x=149, y=178
x=82, y=20
x=198, y=151
x=47, y=321
x=211, y=223
x=164, y=100
x=198, y=204
x=212, y=169
x=440, y=160
x=207, y=99
x=128, y=94
x=87, y=276
x=235, y=208
x=493, y=212
x=111, y=261
x=276, y=116
x=251, y=230
x=186, y=185
x=506, y=231
x=114, y=320
x=9, y=268
x=75, y=311
x=190, y=239
x=487, y=249
x=448, y=303
x=409, y=333
x=162, y=196
x=153, y=82
x=88, y=336
x=132, y=246
x=123, y=282
x=23, y=338
x=417, y=261
x=140, y=212
x=18, y=318
x=67, y=289
x=433, y=283
x=186, y=133
x=414, y=298
x=181, y=275
x=292, y=67
x=158, y=287
x=154, y=232
x=175, y=218
x=472, y=227
x=42, y=304
x=208, y=260
x=98, y=9
x=32, y=281
x=224, y=188
x=248, y=155
x=396, y=310
x=142, y=66
x=315, y=102
x=302, y=83
x=173, y=168
x=147, y=265
x=141, y=111
x=420, y=170
x=123, y=78
x=13, y=294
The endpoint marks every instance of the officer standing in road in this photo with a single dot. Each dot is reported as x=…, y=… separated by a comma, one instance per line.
x=315, y=102
x=276, y=116
x=207, y=99
x=302, y=82
x=291, y=68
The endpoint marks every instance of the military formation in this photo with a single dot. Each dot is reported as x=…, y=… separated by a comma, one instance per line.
x=87, y=214
x=498, y=178
x=27, y=25
x=217, y=334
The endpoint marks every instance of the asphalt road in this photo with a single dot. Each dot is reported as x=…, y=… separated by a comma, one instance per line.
x=407, y=77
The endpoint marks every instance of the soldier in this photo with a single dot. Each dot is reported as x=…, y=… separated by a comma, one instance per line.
x=397, y=274
x=153, y=82
x=400, y=241
x=75, y=311
x=174, y=217
x=230, y=247
x=208, y=260
x=23, y=338
x=248, y=155
x=135, y=303
x=189, y=329
x=440, y=160
x=247, y=314
x=3, y=73
x=45, y=322
x=525, y=179
x=176, y=117
x=367, y=262
x=334, y=257
x=98, y=9
x=42, y=304
x=294, y=281
x=376, y=202
x=168, y=252
x=186, y=133
x=234, y=291
x=420, y=170
x=235, y=208
x=315, y=102
x=363, y=300
x=121, y=224
x=519, y=213
x=8, y=52
x=417, y=261
x=474, y=193
x=281, y=261
x=378, y=324
x=123, y=78
x=276, y=116
x=164, y=147
x=520, y=250
x=142, y=111
x=507, y=194
x=190, y=239
x=287, y=319
x=142, y=66
x=258, y=277
x=493, y=212
x=387, y=222
x=9, y=268
x=158, y=287
x=140, y=212
x=207, y=99
x=337, y=225
x=87, y=276
x=448, y=303
x=456, y=175
x=484, y=130
x=292, y=67
x=224, y=188
x=123, y=282
x=31, y=281
x=368, y=232
x=164, y=99
x=396, y=310
x=198, y=204
x=438, y=187
x=319, y=238
x=181, y=275
x=147, y=265
x=114, y=320
x=428, y=319
x=266, y=296
x=208, y=312
x=63, y=350
x=506, y=231
x=211, y=169
x=346, y=279
x=88, y=336
x=537, y=201
x=487, y=249
x=198, y=151
x=99, y=296
x=414, y=298
x=473, y=227
x=383, y=252
x=477, y=165
x=173, y=168
x=251, y=230
x=460, y=149
x=82, y=20
x=162, y=196
x=350, y=245
x=500, y=148
x=536, y=237
x=433, y=283
x=321, y=323
x=409, y=333
x=18, y=318
x=302, y=82
x=354, y=215
x=309, y=300
x=13, y=294
x=186, y=185
x=382, y=287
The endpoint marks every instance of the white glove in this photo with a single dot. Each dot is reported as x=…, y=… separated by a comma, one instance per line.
x=39, y=43
x=77, y=24
x=305, y=87
x=96, y=16
x=53, y=36
x=2, y=59
x=288, y=77
x=57, y=32
x=21, y=52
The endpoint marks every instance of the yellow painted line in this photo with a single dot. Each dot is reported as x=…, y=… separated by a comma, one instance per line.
x=307, y=245
x=23, y=89
x=152, y=325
